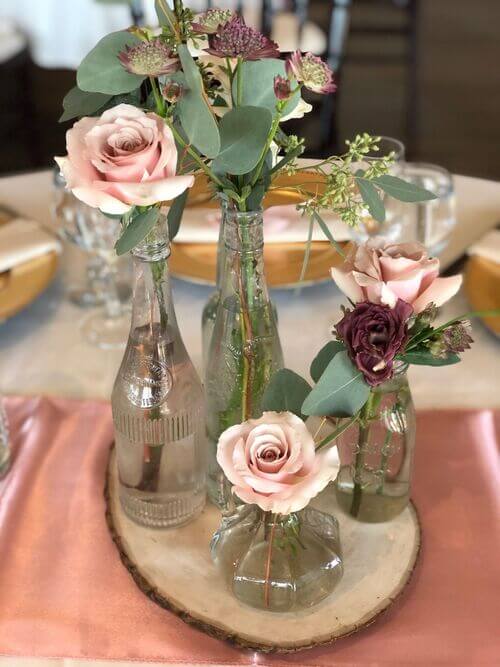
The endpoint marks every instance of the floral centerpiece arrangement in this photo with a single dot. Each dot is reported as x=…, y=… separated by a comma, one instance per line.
x=200, y=103
x=361, y=390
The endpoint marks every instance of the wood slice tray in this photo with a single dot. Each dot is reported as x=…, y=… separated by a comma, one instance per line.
x=174, y=569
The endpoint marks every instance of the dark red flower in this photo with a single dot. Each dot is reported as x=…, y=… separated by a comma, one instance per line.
x=282, y=87
x=237, y=40
x=373, y=335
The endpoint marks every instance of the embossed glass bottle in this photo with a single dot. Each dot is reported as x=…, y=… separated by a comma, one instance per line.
x=157, y=402
x=4, y=441
x=245, y=349
x=209, y=313
x=376, y=454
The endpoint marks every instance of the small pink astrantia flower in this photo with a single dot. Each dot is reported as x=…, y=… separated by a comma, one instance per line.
x=272, y=462
x=152, y=58
x=237, y=40
x=125, y=158
x=282, y=87
x=311, y=71
x=210, y=21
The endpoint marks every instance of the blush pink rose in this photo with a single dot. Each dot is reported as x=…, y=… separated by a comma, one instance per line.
x=272, y=462
x=383, y=274
x=125, y=158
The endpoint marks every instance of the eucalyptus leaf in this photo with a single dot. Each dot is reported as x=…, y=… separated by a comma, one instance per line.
x=323, y=358
x=137, y=230
x=371, y=198
x=286, y=392
x=326, y=231
x=101, y=71
x=175, y=213
x=80, y=103
x=194, y=110
x=340, y=392
x=402, y=190
x=243, y=133
x=258, y=84
x=424, y=357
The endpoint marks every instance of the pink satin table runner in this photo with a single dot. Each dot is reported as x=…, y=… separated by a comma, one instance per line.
x=65, y=593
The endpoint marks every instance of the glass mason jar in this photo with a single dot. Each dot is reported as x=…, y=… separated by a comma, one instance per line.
x=245, y=349
x=278, y=563
x=376, y=454
x=158, y=403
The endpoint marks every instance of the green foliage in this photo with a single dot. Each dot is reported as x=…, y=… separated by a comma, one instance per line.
x=101, y=71
x=286, y=392
x=323, y=358
x=424, y=357
x=166, y=16
x=371, y=198
x=136, y=230
x=402, y=190
x=80, y=103
x=194, y=111
x=340, y=392
x=258, y=84
x=243, y=132
x=175, y=213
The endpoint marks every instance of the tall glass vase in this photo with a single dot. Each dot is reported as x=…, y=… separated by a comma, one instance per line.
x=245, y=349
x=376, y=454
x=157, y=402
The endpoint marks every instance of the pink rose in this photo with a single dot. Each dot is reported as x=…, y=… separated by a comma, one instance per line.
x=124, y=158
x=272, y=462
x=385, y=273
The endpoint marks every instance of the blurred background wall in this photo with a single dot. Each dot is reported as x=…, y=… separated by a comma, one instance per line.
x=424, y=71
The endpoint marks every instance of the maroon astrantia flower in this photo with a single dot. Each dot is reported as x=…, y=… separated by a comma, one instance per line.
x=373, y=335
x=172, y=91
x=454, y=339
x=311, y=71
x=237, y=40
x=210, y=21
x=282, y=87
x=152, y=58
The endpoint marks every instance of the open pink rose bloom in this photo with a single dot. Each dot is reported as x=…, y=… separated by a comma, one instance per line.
x=125, y=158
x=383, y=274
x=272, y=462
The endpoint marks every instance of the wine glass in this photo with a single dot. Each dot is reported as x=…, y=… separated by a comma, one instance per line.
x=86, y=227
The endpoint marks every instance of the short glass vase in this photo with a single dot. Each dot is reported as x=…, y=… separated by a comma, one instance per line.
x=376, y=454
x=278, y=563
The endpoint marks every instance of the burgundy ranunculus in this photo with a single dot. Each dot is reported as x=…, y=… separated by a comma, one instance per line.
x=373, y=335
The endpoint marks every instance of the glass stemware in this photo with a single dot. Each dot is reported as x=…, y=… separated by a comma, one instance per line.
x=87, y=228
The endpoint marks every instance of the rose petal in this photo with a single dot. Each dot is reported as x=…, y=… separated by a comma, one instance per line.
x=346, y=284
x=440, y=291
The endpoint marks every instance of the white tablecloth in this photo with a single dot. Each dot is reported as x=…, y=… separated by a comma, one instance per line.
x=42, y=351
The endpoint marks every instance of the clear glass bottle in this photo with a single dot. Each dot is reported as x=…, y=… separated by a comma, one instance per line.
x=376, y=454
x=245, y=349
x=158, y=403
x=4, y=441
x=279, y=563
x=209, y=313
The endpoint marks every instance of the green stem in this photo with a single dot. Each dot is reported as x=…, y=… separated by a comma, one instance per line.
x=193, y=154
x=338, y=431
x=270, y=139
x=160, y=102
x=364, y=435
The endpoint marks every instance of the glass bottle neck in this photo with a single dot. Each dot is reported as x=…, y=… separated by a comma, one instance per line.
x=152, y=306
x=243, y=232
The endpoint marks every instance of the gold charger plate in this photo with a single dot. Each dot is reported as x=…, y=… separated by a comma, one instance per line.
x=482, y=287
x=22, y=284
x=196, y=262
